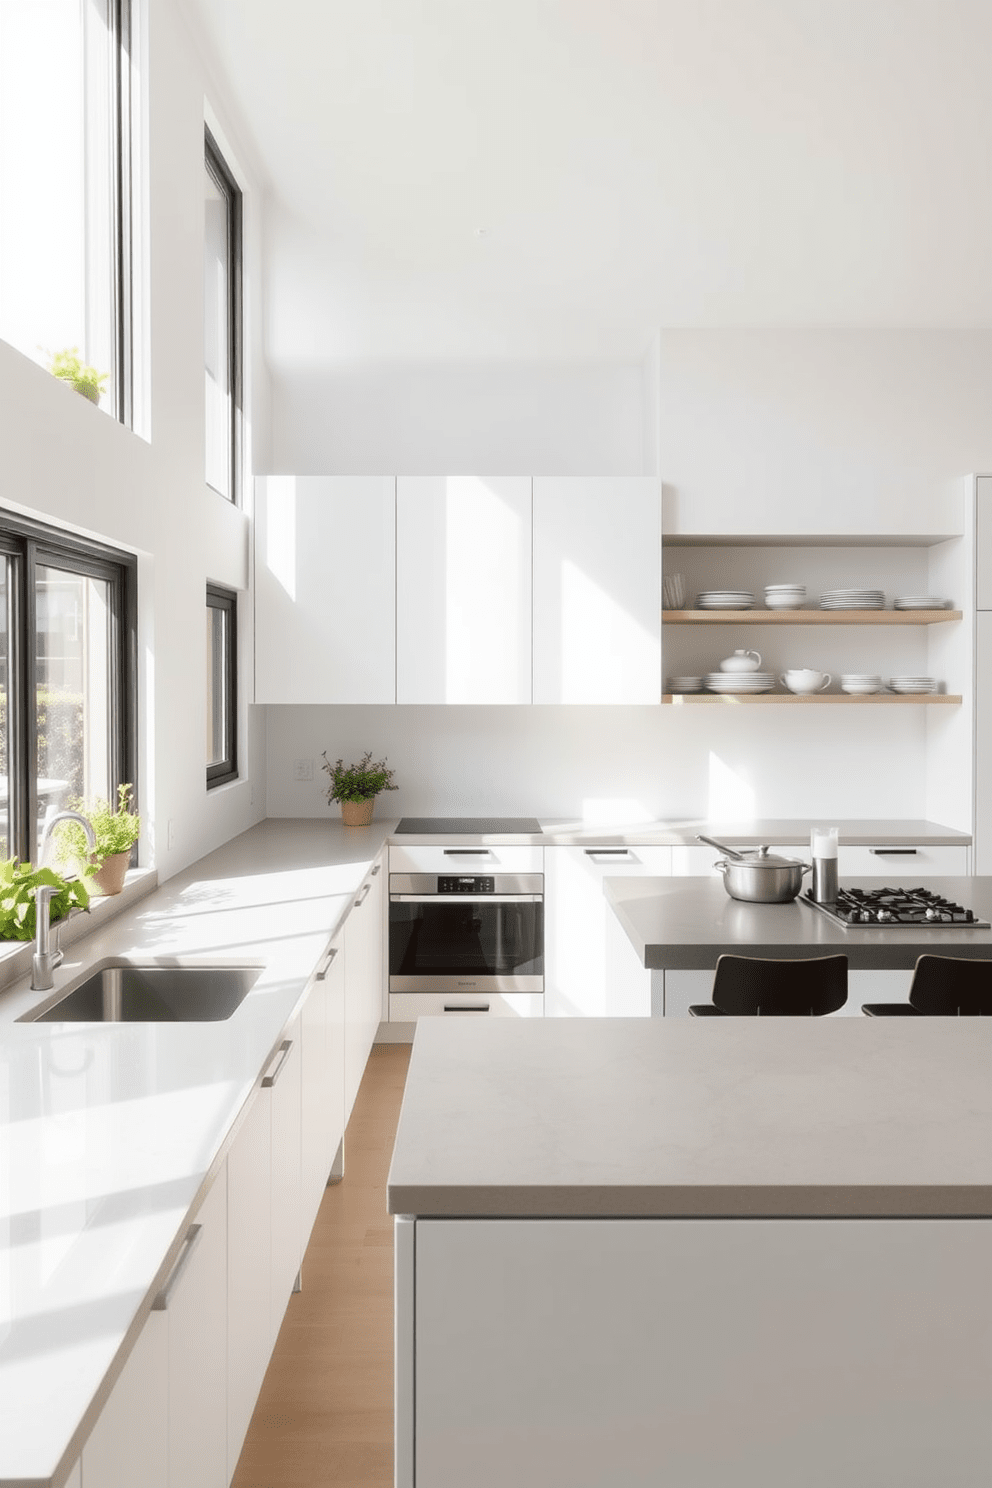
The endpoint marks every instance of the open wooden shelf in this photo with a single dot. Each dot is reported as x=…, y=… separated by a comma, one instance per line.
x=812, y=700
x=808, y=617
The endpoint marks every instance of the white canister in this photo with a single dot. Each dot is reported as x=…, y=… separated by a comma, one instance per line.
x=741, y=661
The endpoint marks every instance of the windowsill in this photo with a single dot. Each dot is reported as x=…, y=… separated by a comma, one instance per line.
x=15, y=955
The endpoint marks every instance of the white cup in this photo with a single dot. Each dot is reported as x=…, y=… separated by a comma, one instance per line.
x=805, y=679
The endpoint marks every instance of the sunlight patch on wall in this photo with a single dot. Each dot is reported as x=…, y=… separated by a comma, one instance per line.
x=731, y=798
x=619, y=810
x=280, y=533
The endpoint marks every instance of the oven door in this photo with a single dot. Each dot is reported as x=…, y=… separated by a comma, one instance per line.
x=486, y=942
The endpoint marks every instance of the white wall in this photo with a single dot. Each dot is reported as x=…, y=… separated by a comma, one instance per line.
x=68, y=463
x=776, y=431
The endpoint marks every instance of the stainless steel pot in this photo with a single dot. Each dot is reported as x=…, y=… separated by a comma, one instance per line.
x=759, y=876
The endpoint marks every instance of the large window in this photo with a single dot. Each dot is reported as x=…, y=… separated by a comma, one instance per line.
x=67, y=677
x=65, y=186
x=222, y=323
x=222, y=685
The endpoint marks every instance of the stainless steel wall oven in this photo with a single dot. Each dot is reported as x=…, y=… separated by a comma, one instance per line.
x=466, y=932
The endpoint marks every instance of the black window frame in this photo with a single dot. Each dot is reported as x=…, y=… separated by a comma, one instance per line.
x=122, y=209
x=29, y=544
x=223, y=178
x=226, y=769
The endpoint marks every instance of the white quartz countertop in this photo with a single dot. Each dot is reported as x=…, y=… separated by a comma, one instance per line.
x=682, y=832
x=702, y=1118
x=108, y=1133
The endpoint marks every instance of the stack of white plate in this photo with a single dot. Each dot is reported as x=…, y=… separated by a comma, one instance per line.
x=852, y=599
x=920, y=602
x=725, y=599
x=673, y=591
x=912, y=684
x=861, y=683
x=685, y=684
x=784, y=596
x=740, y=681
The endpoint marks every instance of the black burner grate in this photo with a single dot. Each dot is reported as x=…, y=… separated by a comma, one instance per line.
x=893, y=909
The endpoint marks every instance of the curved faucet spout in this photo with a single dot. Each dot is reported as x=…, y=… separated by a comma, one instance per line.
x=45, y=960
x=61, y=816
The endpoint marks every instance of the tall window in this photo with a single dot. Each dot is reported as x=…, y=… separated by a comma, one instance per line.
x=222, y=323
x=222, y=685
x=65, y=186
x=67, y=677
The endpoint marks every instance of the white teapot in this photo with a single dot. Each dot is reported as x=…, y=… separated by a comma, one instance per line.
x=741, y=661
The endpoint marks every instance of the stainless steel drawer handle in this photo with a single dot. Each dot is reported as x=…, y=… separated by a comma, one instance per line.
x=192, y=1240
x=894, y=852
x=325, y=965
x=375, y=870
x=467, y=852
x=363, y=896
x=271, y=1075
x=608, y=852
x=474, y=1007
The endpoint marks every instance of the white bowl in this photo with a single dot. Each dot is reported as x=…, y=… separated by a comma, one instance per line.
x=784, y=601
x=860, y=688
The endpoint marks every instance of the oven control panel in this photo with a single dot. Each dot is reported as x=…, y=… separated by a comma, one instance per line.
x=460, y=883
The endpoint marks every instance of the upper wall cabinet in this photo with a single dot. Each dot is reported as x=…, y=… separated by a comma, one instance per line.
x=325, y=599
x=463, y=589
x=984, y=546
x=597, y=590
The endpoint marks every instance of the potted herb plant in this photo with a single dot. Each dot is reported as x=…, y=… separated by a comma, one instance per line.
x=116, y=833
x=18, y=882
x=69, y=367
x=355, y=787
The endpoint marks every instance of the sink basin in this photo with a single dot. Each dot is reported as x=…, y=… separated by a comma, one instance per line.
x=122, y=992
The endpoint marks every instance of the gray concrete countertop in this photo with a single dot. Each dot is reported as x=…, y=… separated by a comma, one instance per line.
x=734, y=1117
x=684, y=924
x=682, y=832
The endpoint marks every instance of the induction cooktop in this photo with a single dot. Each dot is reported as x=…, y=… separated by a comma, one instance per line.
x=463, y=826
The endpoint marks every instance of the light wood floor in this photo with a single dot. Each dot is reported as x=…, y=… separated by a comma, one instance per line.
x=325, y=1414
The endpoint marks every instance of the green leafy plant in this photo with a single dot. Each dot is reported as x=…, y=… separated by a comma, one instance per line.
x=361, y=782
x=68, y=366
x=116, y=830
x=17, y=907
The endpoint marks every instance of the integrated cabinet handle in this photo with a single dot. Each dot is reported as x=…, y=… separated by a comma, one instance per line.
x=475, y=1007
x=363, y=896
x=894, y=852
x=325, y=965
x=607, y=852
x=375, y=870
x=192, y=1240
x=467, y=852
x=271, y=1076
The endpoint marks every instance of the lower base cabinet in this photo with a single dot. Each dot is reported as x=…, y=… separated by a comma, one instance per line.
x=363, y=957
x=130, y=1442
x=762, y=1353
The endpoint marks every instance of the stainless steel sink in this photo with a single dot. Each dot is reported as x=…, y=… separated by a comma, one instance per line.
x=123, y=992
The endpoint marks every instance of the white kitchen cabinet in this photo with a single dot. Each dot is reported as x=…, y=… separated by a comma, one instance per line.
x=588, y=971
x=407, y=1007
x=463, y=589
x=195, y=1306
x=901, y=861
x=325, y=589
x=468, y=857
x=759, y=1352
x=130, y=1442
x=249, y=1270
x=984, y=542
x=322, y=1094
x=285, y=1202
x=597, y=590
x=363, y=953
x=983, y=752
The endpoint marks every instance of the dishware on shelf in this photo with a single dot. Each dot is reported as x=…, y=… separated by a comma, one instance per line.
x=860, y=683
x=739, y=681
x=741, y=661
x=673, y=591
x=725, y=599
x=785, y=596
x=912, y=684
x=805, y=679
x=920, y=602
x=852, y=599
x=685, y=684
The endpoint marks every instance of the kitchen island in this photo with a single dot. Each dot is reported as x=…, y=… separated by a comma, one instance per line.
x=695, y=1254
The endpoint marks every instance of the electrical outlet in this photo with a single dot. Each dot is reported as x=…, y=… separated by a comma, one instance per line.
x=170, y=834
x=303, y=769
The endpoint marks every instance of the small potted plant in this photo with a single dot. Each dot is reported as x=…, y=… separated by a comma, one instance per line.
x=68, y=366
x=356, y=787
x=18, y=882
x=116, y=833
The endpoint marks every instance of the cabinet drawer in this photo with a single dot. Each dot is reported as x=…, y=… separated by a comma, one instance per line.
x=467, y=857
x=692, y=861
x=404, y=1007
x=890, y=860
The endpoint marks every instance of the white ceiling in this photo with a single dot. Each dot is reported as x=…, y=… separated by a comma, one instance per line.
x=557, y=179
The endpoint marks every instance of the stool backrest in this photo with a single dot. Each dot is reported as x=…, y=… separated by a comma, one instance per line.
x=952, y=986
x=749, y=986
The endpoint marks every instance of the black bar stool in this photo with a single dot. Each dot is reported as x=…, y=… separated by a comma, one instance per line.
x=752, y=987
x=942, y=987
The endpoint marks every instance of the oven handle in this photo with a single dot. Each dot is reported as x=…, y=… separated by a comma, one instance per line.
x=466, y=898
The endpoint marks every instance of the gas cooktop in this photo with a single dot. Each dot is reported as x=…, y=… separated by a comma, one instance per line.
x=895, y=909
x=468, y=826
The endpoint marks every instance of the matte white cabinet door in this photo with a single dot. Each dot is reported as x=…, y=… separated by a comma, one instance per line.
x=285, y=1203
x=249, y=1271
x=130, y=1442
x=587, y=970
x=196, y=1311
x=363, y=932
x=759, y=1353
x=983, y=751
x=322, y=1094
x=325, y=589
x=984, y=553
x=463, y=589
x=597, y=590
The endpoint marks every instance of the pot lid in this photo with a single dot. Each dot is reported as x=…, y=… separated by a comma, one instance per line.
x=760, y=857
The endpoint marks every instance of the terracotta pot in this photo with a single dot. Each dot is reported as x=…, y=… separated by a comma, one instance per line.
x=109, y=877
x=357, y=813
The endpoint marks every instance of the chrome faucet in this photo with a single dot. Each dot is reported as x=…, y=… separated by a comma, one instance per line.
x=45, y=960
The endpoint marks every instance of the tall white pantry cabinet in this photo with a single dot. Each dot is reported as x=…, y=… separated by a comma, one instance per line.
x=983, y=678
x=461, y=589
